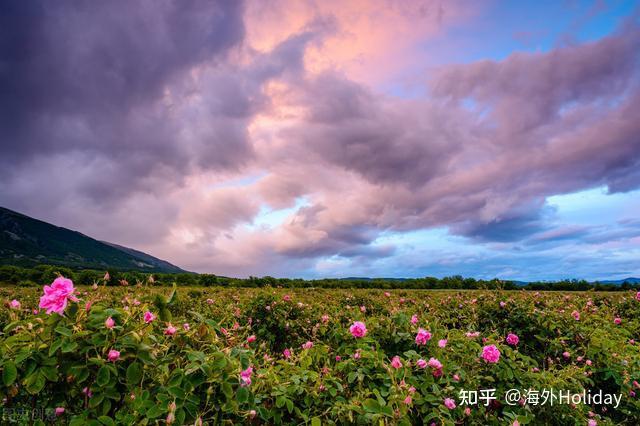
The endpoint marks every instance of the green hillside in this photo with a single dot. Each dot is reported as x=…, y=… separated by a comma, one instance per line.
x=25, y=241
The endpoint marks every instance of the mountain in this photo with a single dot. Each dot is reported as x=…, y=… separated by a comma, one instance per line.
x=630, y=280
x=25, y=241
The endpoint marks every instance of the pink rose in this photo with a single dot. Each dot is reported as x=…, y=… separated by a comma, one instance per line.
x=434, y=363
x=56, y=296
x=358, y=329
x=442, y=343
x=109, y=323
x=113, y=355
x=387, y=294
x=414, y=319
x=422, y=337
x=566, y=354
x=14, y=304
x=286, y=298
x=186, y=326
x=421, y=363
x=170, y=330
x=251, y=339
x=512, y=339
x=245, y=376
x=617, y=321
x=357, y=355
x=59, y=411
x=491, y=354
x=576, y=315
x=502, y=304
x=148, y=317
x=395, y=362
x=286, y=353
x=638, y=295
x=307, y=345
x=408, y=400
x=449, y=403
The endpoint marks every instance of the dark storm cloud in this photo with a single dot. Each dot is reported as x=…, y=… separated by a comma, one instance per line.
x=85, y=80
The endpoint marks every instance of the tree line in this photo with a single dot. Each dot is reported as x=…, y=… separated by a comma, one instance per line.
x=44, y=274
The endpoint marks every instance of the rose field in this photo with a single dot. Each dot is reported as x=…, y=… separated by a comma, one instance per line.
x=148, y=354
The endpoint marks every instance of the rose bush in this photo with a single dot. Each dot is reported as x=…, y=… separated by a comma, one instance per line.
x=141, y=354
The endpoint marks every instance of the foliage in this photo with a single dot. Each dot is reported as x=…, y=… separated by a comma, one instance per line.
x=56, y=361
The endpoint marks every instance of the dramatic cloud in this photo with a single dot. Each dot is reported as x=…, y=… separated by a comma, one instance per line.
x=308, y=138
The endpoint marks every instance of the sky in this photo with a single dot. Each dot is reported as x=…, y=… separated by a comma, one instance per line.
x=331, y=138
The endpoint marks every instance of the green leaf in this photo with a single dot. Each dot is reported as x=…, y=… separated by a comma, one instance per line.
x=242, y=395
x=55, y=346
x=155, y=411
x=316, y=421
x=69, y=347
x=105, y=420
x=63, y=330
x=9, y=373
x=103, y=376
x=134, y=373
x=35, y=383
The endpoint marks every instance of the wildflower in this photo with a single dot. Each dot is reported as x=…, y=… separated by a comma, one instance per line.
x=387, y=294
x=414, y=319
x=14, y=304
x=57, y=295
x=617, y=321
x=251, y=339
x=286, y=298
x=170, y=330
x=467, y=411
x=59, y=411
x=307, y=345
x=512, y=339
x=324, y=319
x=491, y=354
x=456, y=378
x=502, y=304
x=338, y=358
x=576, y=315
x=252, y=413
x=245, y=376
x=148, y=317
x=592, y=422
x=87, y=306
x=358, y=329
x=286, y=353
x=186, y=326
x=107, y=277
x=395, y=362
x=442, y=343
x=449, y=403
x=422, y=337
x=357, y=355
x=566, y=355
x=473, y=334
x=588, y=362
x=109, y=323
x=421, y=363
x=209, y=301
x=408, y=400
x=87, y=392
x=638, y=295
x=113, y=355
